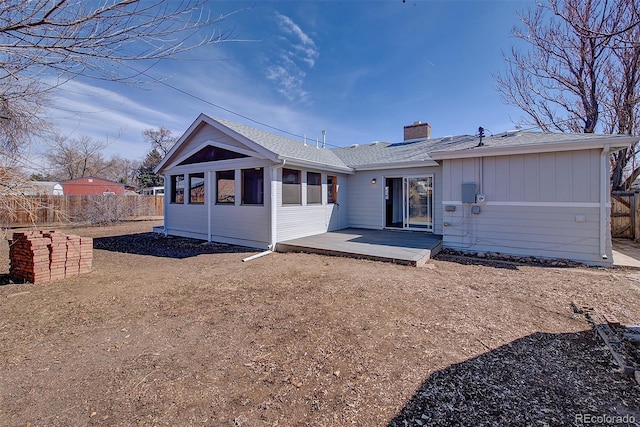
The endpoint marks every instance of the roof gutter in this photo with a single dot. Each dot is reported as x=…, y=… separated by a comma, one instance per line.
x=398, y=165
x=317, y=165
x=618, y=142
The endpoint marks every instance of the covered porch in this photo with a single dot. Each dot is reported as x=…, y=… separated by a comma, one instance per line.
x=402, y=247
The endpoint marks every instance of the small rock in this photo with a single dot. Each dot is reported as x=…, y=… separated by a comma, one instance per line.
x=481, y=255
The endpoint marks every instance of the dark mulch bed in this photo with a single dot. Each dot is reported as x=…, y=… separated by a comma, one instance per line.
x=155, y=244
x=530, y=381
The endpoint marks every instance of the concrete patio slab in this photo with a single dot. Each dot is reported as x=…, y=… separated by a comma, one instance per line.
x=626, y=253
x=398, y=246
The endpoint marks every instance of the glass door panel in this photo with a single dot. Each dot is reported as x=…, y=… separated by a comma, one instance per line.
x=419, y=203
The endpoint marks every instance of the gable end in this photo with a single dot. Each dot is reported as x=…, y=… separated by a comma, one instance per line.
x=211, y=154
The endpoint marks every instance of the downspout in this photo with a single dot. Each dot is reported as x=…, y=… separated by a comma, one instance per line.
x=274, y=204
x=604, y=189
x=165, y=204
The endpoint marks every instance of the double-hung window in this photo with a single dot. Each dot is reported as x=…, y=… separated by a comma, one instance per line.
x=253, y=186
x=196, y=188
x=314, y=188
x=291, y=187
x=177, y=188
x=225, y=187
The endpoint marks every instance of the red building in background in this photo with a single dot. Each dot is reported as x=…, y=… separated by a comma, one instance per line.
x=91, y=186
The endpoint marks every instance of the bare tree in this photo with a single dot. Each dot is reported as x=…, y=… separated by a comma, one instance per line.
x=120, y=169
x=43, y=43
x=161, y=139
x=580, y=72
x=72, y=158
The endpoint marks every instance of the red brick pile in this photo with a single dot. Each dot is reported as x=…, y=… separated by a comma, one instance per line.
x=47, y=256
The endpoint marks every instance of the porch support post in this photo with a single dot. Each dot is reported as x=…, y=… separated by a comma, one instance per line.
x=604, y=190
x=208, y=199
x=273, y=197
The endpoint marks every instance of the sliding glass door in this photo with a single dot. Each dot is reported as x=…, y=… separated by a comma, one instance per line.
x=409, y=202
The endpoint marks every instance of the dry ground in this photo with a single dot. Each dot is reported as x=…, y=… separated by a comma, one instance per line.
x=163, y=333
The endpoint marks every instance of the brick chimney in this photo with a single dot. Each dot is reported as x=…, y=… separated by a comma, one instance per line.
x=417, y=130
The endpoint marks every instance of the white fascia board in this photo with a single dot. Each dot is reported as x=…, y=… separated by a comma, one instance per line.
x=398, y=165
x=292, y=161
x=615, y=144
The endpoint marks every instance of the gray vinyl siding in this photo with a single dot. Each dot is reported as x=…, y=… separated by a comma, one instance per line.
x=294, y=221
x=366, y=200
x=535, y=206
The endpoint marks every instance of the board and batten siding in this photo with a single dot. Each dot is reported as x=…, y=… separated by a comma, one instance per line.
x=366, y=200
x=543, y=205
x=295, y=221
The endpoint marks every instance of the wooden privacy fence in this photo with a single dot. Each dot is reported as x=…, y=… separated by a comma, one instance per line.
x=28, y=210
x=624, y=215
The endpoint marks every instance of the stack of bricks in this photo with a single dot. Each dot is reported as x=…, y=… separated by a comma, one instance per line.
x=57, y=254
x=43, y=257
x=86, y=255
x=72, y=263
x=29, y=255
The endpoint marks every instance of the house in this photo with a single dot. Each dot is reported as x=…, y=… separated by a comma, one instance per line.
x=521, y=193
x=92, y=186
x=42, y=188
x=152, y=191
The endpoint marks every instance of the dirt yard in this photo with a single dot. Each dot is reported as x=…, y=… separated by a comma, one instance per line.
x=169, y=332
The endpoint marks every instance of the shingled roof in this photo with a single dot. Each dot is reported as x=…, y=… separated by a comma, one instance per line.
x=285, y=147
x=423, y=151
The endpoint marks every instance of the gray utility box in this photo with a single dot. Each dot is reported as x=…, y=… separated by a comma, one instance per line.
x=469, y=193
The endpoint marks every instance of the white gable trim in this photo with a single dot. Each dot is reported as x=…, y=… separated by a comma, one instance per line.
x=260, y=151
x=215, y=144
x=240, y=138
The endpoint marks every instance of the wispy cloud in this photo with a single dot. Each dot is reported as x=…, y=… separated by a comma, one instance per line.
x=305, y=46
x=287, y=70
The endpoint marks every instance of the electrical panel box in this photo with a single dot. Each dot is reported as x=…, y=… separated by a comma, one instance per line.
x=469, y=193
x=475, y=210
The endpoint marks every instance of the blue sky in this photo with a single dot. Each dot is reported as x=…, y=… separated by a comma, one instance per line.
x=360, y=70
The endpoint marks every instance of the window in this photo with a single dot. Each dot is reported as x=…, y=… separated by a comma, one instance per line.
x=225, y=187
x=332, y=189
x=291, y=189
x=196, y=188
x=253, y=186
x=314, y=188
x=177, y=188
